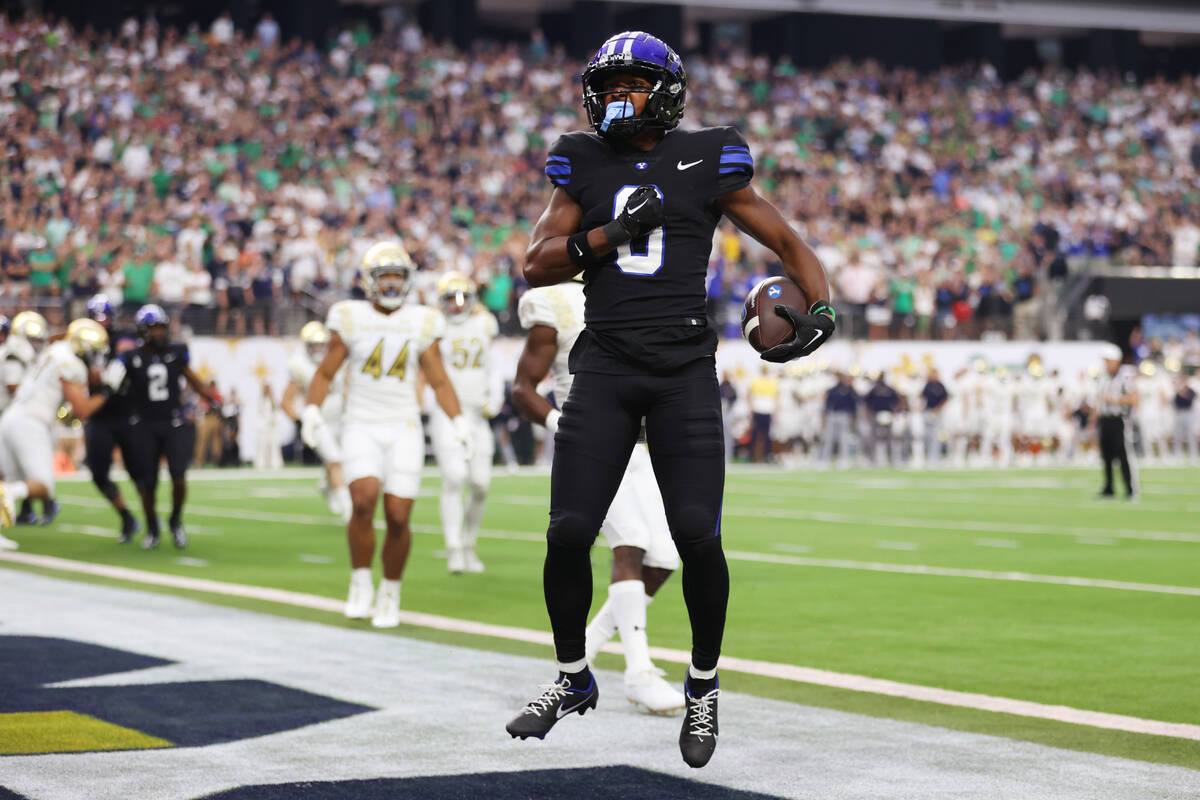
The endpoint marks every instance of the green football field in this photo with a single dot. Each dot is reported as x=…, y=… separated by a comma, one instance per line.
x=1016, y=584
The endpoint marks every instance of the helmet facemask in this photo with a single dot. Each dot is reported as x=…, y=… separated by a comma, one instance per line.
x=391, y=283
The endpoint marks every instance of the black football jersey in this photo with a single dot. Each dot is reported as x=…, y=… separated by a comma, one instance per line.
x=153, y=381
x=645, y=303
x=119, y=405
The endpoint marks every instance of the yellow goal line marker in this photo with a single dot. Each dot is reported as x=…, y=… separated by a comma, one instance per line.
x=789, y=672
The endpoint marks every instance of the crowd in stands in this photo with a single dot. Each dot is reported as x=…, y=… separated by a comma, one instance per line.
x=237, y=177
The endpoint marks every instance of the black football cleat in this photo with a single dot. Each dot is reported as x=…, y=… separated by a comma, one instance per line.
x=50, y=511
x=25, y=515
x=150, y=540
x=698, y=738
x=128, y=528
x=178, y=534
x=558, y=700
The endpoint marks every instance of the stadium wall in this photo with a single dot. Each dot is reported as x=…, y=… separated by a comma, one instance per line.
x=245, y=364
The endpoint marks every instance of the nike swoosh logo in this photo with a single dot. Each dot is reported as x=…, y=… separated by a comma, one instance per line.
x=816, y=336
x=679, y=165
x=578, y=249
x=563, y=710
x=635, y=208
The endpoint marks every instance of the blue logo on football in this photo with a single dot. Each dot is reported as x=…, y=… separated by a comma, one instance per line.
x=640, y=165
x=774, y=291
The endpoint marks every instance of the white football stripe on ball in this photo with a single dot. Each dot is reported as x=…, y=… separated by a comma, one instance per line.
x=748, y=328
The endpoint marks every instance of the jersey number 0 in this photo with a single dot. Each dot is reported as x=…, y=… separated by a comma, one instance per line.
x=642, y=256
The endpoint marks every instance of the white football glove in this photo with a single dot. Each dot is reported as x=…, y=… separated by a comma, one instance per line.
x=462, y=432
x=311, y=422
x=113, y=375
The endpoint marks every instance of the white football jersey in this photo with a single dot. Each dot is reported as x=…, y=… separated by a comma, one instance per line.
x=559, y=307
x=467, y=352
x=382, y=367
x=301, y=369
x=40, y=393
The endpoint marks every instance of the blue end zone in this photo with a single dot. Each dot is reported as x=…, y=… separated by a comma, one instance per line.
x=38, y=660
x=590, y=783
x=185, y=714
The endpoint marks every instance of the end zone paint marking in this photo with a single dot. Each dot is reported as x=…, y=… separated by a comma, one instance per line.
x=789, y=672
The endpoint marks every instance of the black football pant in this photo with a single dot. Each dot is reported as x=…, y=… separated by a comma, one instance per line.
x=156, y=440
x=1113, y=448
x=599, y=426
x=101, y=436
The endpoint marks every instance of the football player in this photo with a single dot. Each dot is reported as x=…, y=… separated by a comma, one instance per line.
x=109, y=427
x=466, y=354
x=383, y=342
x=634, y=206
x=26, y=340
x=644, y=555
x=153, y=372
x=314, y=341
x=27, y=426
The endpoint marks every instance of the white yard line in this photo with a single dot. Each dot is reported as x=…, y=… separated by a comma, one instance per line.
x=865, y=566
x=790, y=672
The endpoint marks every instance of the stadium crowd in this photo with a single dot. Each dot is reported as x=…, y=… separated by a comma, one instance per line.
x=222, y=172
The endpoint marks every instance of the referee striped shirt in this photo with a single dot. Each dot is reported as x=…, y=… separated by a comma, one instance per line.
x=1112, y=389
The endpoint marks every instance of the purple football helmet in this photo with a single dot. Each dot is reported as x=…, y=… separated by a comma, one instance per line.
x=645, y=56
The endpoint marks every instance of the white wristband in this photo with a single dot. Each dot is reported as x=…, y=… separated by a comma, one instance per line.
x=552, y=420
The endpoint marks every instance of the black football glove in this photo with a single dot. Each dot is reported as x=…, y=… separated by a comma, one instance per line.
x=643, y=212
x=812, y=331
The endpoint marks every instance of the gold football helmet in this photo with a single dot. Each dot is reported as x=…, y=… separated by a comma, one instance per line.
x=456, y=294
x=387, y=258
x=315, y=337
x=87, y=338
x=31, y=326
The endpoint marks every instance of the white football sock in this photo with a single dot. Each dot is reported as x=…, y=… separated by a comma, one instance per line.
x=345, y=504
x=571, y=667
x=389, y=588
x=476, y=503
x=701, y=674
x=629, y=612
x=362, y=577
x=452, y=514
x=600, y=631
x=16, y=491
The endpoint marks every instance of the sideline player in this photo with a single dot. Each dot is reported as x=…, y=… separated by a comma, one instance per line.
x=109, y=427
x=314, y=341
x=154, y=371
x=27, y=427
x=635, y=206
x=466, y=354
x=384, y=342
x=635, y=527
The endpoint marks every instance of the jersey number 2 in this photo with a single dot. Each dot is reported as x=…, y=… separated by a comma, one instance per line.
x=642, y=256
x=156, y=377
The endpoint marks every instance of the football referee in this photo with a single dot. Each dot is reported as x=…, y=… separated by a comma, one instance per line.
x=1116, y=400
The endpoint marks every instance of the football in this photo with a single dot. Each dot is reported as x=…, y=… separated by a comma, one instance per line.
x=761, y=326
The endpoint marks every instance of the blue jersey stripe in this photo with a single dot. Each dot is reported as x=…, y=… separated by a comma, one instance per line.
x=563, y=159
x=557, y=169
x=736, y=158
x=736, y=147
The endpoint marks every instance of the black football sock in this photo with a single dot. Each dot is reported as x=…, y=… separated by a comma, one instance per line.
x=706, y=593
x=567, y=582
x=698, y=687
x=126, y=516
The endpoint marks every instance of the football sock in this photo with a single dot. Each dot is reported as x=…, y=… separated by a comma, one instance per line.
x=390, y=588
x=476, y=503
x=567, y=582
x=452, y=513
x=126, y=517
x=576, y=672
x=700, y=684
x=361, y=576
x=629, y=611
x=706, y=593
x=600, y=630
x=16, y=491
x=344, y=503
